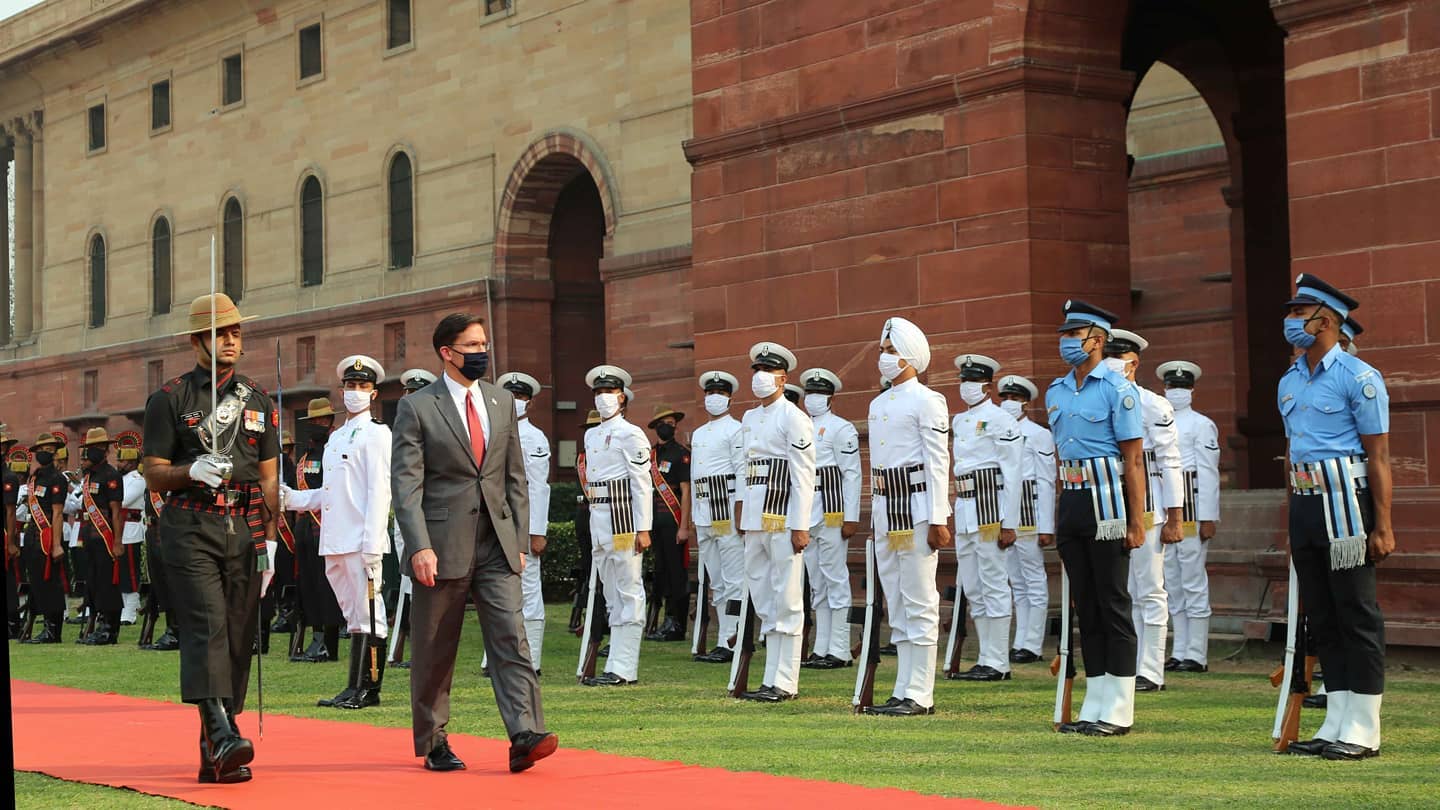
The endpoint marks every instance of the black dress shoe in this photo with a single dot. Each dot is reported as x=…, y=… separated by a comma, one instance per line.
x=603, y=652
x=168, y=642
x=441, y=758
x=316, y=653
x=980, y=673
x=1074, y=727
x=880, y=709
x=719, y=655
x=1189, y=665
x=1023, y=657
x=403, y=665
x=606, y=679
x=889, y=649
x=773, y=694
x=1103, y=729
x=670, y=630
x=240, y=774
x=1348, y=751
x=1172, y=664
x=833, y=662
x=1316, y=701
x=1308, y=748
x=530, y=747
x=756, y=694
x=813, y=661
x=1144, y=684
x=904, y=708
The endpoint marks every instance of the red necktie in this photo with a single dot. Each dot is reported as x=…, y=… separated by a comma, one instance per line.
x=477, y=433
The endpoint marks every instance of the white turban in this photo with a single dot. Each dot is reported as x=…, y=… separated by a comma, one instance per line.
x=910, y=343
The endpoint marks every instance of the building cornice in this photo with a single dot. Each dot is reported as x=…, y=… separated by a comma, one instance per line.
x=1021, y=74
x=57, y=22
x=1291, y=14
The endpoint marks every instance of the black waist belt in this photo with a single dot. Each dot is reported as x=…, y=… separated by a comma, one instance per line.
x=235, y=498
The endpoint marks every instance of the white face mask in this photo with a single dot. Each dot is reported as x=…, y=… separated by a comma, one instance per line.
x=357, y=401
x=716, y=404
x=1117, y=365
x=763, y=384
x=1179, y=397
x=890, y=366
x=1014, y=407
x=817, y=404
x=972, y=393
x=520, y=406
x=607, y=404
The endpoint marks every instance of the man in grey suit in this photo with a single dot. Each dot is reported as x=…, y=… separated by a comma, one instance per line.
x=458, y=480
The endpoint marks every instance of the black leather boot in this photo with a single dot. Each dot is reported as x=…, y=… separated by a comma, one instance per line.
x=368, y=694
x=168, y=642
x=317, y=651
x=51, y=634
x=332, y=642
x=224, y=751
x=357, y=660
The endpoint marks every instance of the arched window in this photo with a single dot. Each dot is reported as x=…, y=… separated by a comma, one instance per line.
x=312, y=233
x=233, y=250
x=160, y=267
x=97, y=281
x=402, y=212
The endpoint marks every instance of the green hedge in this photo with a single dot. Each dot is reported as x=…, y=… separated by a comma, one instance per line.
x=562, y=557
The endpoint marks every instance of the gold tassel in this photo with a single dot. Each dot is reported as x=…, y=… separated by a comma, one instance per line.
x=1149, y=521
x=772, y=523
x=834, y=519
x=1026, y=529
x=720, y=526
x=625, y=542
x=900, y=540
x=990, y=532
x=1189, y=527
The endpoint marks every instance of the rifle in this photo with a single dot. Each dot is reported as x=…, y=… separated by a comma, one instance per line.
x=653, y=605
x=869, y=655
x=702, y=611
x=958, y=607
x=1063, y=666
x=589, y=641
x=1299, y=667
x=745, y=644
x=807, y=624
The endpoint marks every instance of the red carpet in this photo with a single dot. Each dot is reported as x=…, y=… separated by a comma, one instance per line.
x=151, y=746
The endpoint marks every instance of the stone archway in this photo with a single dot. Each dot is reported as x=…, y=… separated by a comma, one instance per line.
x=527, y=202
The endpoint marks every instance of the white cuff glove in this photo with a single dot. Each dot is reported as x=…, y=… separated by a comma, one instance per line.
x=205, y=471
x=284, y=498
x=372, y=567
x=271, y=547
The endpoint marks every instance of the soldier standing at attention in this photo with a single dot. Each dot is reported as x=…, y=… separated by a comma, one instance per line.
x=41, y=511
x=1337, y=420
x=318, y=606
x=11, y=491
x=1026, y=559
x=218, y=462
x=535, y=446
x=670, y=471
x=834, y=519
x=1095, y=416
x=716, y=460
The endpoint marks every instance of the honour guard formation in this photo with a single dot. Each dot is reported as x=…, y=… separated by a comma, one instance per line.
x=1121, y=481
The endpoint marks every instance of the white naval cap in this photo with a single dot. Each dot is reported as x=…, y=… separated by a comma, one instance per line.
x=608, y=377
x=629, y=397
x=820, y=381
x=519, y=383
x=975, y=367
x=1123, y=341
x=772, y=356
x=360, y=367
x=413, y=379
x=1178, y=373
x=718, y=381
x=1015, y=384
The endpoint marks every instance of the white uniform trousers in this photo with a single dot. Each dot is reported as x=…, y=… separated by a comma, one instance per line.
x=346, y=573
x=723, y=556
x=1147, y=606
x=825, y=564
x=532, y=608
x=619, y=573
x=776, y=577
x=1188, y=585
x=1031, y=588
x=985, y=580
x=912, y=603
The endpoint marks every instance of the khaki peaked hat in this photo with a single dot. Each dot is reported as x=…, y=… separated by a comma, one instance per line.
x=96, y=436
x=318, y=407
x=591, y=419
x=226, y=314
x=47, y=440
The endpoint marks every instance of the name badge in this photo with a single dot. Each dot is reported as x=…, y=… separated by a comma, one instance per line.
x=664, y=467
x=1075, y=475
x=1304, y=480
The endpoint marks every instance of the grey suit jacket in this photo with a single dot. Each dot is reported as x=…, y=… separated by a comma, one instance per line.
x=438, y=492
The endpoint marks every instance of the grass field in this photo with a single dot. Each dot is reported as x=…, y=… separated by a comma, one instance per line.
x=1204, y=742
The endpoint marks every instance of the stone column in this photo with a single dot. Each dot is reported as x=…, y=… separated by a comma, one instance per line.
x=35, y=315
x=5, y=326
x=24, y=234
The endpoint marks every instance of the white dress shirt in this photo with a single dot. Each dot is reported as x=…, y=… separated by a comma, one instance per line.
x=536, y=447
x=778, y=430
x=457, y=393
x=986, y=437
x=1039, y=466
x=355, y=498
x=714, y=450
x=133, y=500
x=837, y=444
x=616, y=449
x=1200, y=453
x=1167, y=490
x=910, y=425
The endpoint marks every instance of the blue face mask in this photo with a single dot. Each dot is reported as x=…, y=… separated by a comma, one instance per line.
x=1072, y=351
x=1296, y=335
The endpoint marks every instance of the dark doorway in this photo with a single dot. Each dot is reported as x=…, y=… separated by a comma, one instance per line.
x=576, y=245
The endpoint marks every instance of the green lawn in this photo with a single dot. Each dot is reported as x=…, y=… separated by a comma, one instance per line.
x=1204, y=742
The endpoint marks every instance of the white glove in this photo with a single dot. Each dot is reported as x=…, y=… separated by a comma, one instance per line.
x=372, y=567
x=205, y=471
x=284, y=497
x=271, y=547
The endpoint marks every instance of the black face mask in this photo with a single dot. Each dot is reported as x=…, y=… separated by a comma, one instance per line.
x=317, y=435
x=473, y=364
x=665, y=432
x=95, y=455
x=44, y=458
